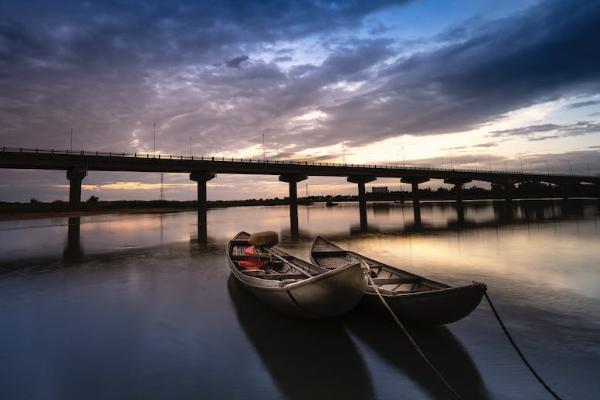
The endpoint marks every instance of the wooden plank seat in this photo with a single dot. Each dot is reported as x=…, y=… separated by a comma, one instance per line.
x=398, y=281
x=330, y=253
x=259, y=273
x=252, y=258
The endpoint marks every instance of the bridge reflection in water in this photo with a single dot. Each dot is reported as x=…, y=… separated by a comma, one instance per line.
x=467, y=216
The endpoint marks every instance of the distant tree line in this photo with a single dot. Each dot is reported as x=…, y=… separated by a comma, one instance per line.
x=522, y=190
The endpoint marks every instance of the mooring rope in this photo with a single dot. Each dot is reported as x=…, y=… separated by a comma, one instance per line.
x=408, y=335
x=518, y=350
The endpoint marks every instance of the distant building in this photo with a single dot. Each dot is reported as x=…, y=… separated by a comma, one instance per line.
x=380, y=189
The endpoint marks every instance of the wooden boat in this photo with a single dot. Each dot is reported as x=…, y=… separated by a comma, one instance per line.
x=412, y=297
x=295, y=286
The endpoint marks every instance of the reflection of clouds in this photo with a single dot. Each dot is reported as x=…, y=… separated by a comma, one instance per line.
x=558, y=254
x=537, y=254
x=136, y=186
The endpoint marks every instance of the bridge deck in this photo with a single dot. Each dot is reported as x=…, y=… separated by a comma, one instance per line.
x=20, y=158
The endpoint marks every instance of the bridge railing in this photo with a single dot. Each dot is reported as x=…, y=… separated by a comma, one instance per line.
x=158, y=156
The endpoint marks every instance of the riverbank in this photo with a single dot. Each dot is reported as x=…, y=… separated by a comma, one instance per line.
x=60, y=209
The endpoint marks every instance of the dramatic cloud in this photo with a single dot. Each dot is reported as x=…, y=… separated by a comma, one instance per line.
x=546, y=52
x=584, y=104
x=305, y=75
x=110, y=70
x=236, y=62
x=550, y=131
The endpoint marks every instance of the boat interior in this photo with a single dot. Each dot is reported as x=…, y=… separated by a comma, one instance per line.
x=278, y=265
x=389, y=280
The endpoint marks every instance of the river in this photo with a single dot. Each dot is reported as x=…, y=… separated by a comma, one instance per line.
x=126, y=306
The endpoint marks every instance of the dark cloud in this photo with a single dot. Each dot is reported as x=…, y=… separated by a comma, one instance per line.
x=110, y=69
x=584, y=104
x=481, y=145
x=539, y=132
x=236, y=62
x=543, y=53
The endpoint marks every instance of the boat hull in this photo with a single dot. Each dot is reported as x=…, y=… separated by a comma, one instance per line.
x=327, y=293
x=437, y=307
x=330, y=294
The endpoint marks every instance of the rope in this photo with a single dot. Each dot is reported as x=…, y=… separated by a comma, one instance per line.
x=410, y=338
x=521, y=355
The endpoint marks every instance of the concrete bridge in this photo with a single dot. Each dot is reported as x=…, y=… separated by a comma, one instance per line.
x=202, y=169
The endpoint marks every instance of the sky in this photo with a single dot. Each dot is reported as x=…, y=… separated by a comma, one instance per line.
x=474, y=84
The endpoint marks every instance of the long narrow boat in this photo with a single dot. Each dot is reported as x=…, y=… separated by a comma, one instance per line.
x=412, y=297
x=295, y=286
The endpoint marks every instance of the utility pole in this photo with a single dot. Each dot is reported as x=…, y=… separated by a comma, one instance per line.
x=71, y=145
x=344, y=152
x=276, y=151
x=154, y=141
x=264, y=150
x=190, y=147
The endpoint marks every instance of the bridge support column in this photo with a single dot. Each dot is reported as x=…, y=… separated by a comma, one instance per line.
x=415, y=181
x=508, y=186
x=75, y=176
x=201, y=178
x=362, y=198
x=566, y=190
x=292, y=181
x=458, y=187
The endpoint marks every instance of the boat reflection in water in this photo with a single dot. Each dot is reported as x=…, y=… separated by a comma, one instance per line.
x=307, y=359
x=438, y=343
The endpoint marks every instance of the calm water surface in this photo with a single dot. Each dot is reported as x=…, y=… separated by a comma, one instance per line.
x=132, y=306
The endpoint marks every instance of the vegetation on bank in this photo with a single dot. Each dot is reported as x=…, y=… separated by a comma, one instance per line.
x=93, y=203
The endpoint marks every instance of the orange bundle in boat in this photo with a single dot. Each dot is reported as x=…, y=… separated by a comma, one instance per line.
x=251, y=265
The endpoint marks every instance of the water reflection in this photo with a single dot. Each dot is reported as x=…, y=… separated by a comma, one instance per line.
x=438, y=343
x=306, y=359
x=98, y=234
x=73, y=250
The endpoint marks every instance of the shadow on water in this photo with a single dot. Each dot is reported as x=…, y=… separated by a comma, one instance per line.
x=307, y=359
x=438, y=343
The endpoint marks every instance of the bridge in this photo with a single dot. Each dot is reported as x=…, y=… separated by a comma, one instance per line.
x=203, y=169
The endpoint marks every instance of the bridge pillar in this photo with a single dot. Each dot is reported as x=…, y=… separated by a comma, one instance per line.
x=458, y=186
x=567, y=190
x=75, y=176
x=415, y=181
x=201, y=178
x=292, y=181
x=509, y=186
x=362, y=198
